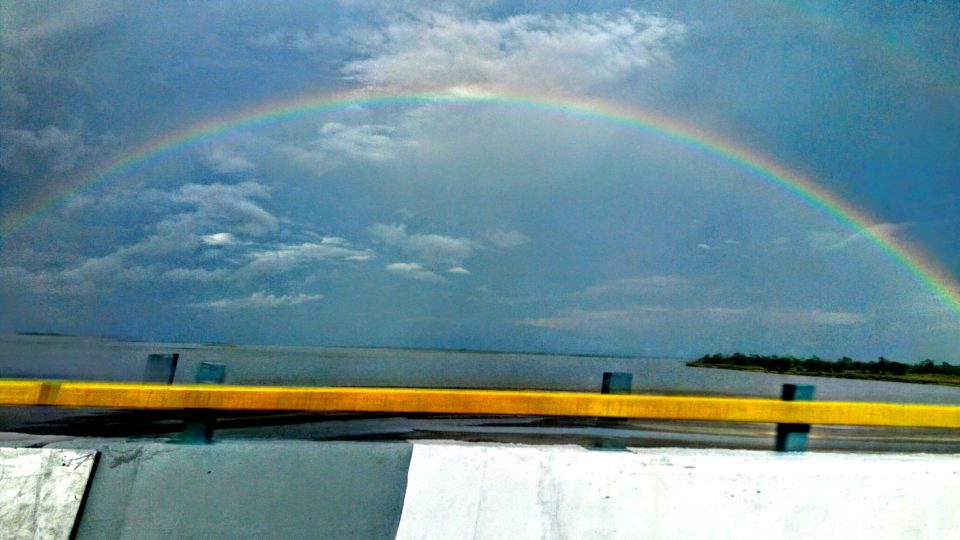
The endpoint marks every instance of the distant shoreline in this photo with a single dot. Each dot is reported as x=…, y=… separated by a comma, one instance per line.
x=926, y=372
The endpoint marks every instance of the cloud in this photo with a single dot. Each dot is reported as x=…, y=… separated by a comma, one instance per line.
x=219, y=239
x=257, y=300
x=226, y=161
x=288, y=257
x=199, y=275
x=49, y=150
x=35, y=23
x=814, y=317
x=485, y=294
x=412, y=270
x=596, y=321
x=435, y=248
x=230, y=203
x=366, y=256
x=336, y=143
x=83, y=278
x=294, y=39
x=458, y=270
x=572, y=52
x=786, y=317
x=16, y=278
x=431, y=247
x=638, y=285
x=506, y=239
x=722, y=311
x=590, y=321
x=829, y=241
x=213, y=207
x=365, y=141
x=704, y=246
x=333, y=240
x=174, y=248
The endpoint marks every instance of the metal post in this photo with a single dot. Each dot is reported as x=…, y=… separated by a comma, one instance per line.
x=160, y=368
x=793, y=437
x=198, y=424
x=616, y=382
x=211, y=373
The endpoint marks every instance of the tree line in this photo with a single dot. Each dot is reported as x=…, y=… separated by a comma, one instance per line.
x=816, y=365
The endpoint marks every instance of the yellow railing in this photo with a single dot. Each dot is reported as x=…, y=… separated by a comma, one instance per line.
x=480, y=402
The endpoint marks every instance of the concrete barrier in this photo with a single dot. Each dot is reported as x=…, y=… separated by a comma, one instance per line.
x=501, y=491
x=437, y=489
x=41, y=491
x=268, y=489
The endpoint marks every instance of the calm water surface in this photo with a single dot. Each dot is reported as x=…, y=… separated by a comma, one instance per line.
x=108, y=359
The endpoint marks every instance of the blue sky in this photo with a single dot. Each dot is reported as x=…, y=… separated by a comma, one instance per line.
x=484, y=226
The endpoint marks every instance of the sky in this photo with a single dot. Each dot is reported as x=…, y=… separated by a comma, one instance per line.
x=492, y=223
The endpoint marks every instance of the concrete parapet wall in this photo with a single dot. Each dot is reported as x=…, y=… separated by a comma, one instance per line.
x=498, y=491
x=41, y=491
x=438, y=489
x=270, y=489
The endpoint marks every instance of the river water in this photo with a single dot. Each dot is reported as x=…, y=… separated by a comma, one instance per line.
x=53, y=357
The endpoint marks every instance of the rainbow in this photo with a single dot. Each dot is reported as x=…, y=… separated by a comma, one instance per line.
x=922, y=266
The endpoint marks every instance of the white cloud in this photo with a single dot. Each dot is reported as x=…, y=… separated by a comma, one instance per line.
x=337, y=143
x=829, y=241
x=230, y=203
x=435, y=248
x=637, y=285
x=174, y=247
x=815, y=317
x=506, y=239
x=458, y=270
x=412, y=270
x=219, y=239
x=633, y=318
x=786, y=317
x=704, y=246
x=289, y=257
x=366, y=256
x=199, y=275
x=109, y=268
x=431, y=247
x=258, y=300
x=214, y=206
x=365, y=141
x=587, y=320
x=571, y=52
x=226, y=161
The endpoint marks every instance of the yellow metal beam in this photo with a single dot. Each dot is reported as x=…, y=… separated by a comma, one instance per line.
x=494, y=402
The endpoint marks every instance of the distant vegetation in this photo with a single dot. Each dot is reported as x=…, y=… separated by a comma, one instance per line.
x=926, y=371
